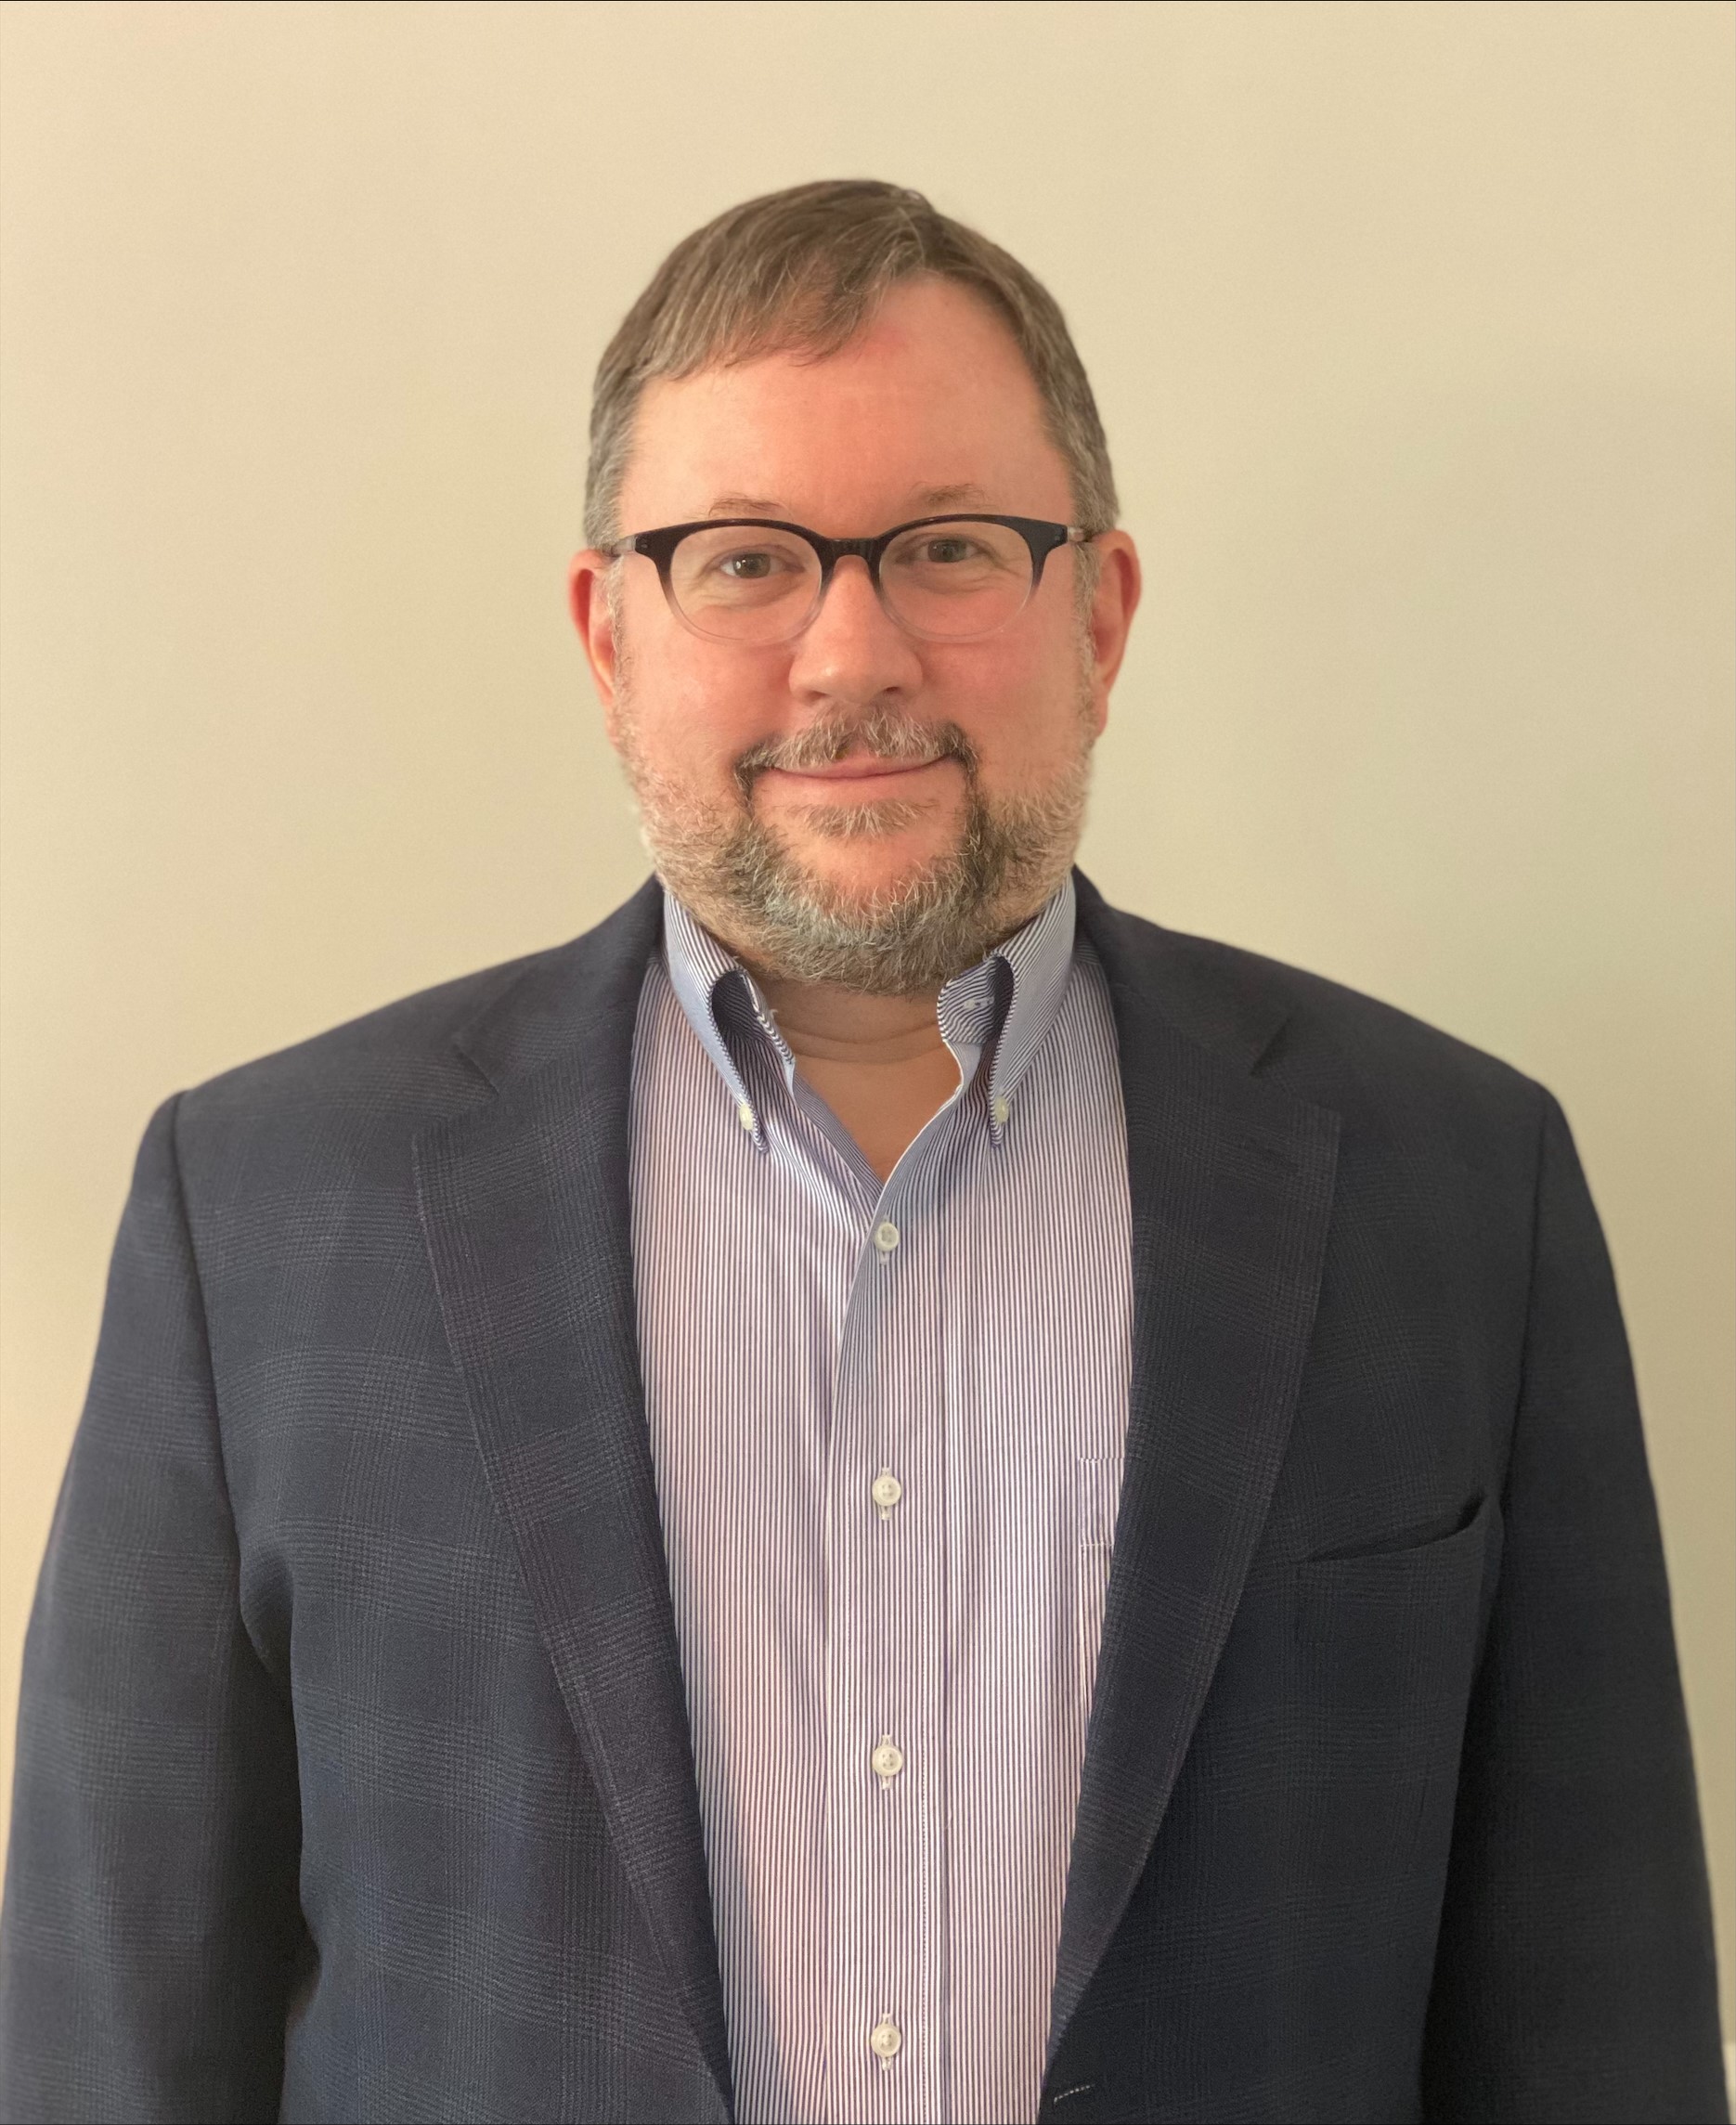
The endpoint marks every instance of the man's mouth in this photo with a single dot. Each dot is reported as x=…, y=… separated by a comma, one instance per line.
x=866, y=769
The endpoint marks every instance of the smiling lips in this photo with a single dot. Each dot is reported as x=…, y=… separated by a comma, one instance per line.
x=874, y=768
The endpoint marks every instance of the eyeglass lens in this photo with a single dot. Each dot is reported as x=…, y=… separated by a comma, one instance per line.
x=946, y=581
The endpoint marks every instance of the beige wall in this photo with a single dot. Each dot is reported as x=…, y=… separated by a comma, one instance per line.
x=1412, y=330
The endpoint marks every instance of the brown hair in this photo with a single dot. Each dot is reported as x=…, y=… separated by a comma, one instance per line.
x=805, y=268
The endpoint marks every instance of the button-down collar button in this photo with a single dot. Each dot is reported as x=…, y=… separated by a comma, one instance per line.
x=886, y=1761
x=1001, y=1108
x=885, y=1490
x=744, y=1114
x=885, y=1236
x=885, y=2041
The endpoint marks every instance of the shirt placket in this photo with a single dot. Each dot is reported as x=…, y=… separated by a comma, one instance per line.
x=886, y=1698
x=861, y=2022
x=886, y=1596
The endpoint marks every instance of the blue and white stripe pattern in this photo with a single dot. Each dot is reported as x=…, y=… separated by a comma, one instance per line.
x=887, y=1427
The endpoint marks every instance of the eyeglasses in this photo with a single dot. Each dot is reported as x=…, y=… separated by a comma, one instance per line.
x=754, y=581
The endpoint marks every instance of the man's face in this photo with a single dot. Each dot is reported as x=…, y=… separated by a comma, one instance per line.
x=857, y=774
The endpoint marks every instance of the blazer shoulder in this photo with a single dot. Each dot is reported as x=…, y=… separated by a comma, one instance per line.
x=1326, y=1022
x=395, y=1048
x=1369, y=1061
x=422, y=1058
x=1403, y=1089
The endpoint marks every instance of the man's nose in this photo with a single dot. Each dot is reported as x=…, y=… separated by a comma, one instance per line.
x=852, y=649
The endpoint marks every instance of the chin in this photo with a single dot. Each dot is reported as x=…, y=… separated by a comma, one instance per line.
x=872, y=865
x=870, y=846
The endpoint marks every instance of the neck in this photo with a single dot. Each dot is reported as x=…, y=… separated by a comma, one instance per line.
x=844, y=1025
x=878, y=1062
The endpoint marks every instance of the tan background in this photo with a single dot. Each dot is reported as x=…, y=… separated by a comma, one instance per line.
x=1412, y=330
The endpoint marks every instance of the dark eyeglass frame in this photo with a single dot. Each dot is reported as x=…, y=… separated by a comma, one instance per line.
x=1042, y=539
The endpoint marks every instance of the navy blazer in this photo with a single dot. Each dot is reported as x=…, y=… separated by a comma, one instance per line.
x=355, y=1780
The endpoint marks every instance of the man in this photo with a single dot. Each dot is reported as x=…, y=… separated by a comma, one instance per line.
x=876, y=1492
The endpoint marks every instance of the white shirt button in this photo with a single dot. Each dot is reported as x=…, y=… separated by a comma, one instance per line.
x=885, y=1490
x=744, y=1114
x=886, y=1761
x=885, y=1236
x=885, y=2041
x=1001, y=1110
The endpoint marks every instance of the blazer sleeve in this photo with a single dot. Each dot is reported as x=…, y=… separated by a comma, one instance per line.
x=1575, y=1978
x=150, y=1921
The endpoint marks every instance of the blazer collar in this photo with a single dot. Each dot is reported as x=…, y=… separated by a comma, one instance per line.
x=579, y=996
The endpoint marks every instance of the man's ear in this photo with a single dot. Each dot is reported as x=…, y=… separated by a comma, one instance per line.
x=588, y=601
x=1114, y=601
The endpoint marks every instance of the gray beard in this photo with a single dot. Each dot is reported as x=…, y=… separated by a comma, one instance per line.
x=746, y=886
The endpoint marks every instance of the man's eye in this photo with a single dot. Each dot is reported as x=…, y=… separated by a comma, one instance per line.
x=756, y=565
x=941, y=550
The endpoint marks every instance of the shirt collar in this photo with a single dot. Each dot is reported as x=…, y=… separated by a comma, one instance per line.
x=1038, y=960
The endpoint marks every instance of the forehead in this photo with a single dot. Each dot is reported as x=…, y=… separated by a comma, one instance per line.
x=933, y=395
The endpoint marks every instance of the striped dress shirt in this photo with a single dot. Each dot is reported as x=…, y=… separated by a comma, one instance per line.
x=888, y=1426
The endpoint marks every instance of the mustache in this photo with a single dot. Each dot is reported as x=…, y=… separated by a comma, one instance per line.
x=881, y=734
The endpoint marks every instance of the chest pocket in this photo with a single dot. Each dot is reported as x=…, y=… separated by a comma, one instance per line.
x=1384, y=1650
x=1096, y=1501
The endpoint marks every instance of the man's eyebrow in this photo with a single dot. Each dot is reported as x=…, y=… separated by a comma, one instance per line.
x=970, y=493
x=923, y=499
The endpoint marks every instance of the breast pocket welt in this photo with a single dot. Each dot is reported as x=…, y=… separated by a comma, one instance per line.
x=1382, y=1654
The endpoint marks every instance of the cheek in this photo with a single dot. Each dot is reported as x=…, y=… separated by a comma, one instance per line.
x=1018, y=704
x=693, y=712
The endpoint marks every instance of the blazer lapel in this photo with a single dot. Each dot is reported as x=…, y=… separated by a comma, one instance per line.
x=1231, y=1182
x=524, y=1207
